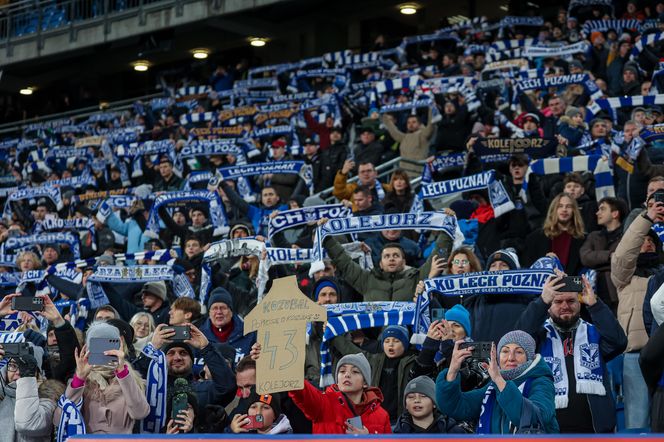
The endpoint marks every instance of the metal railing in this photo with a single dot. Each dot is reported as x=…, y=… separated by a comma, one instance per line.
x=115, y=106
x=384, y=172
x=34, y=17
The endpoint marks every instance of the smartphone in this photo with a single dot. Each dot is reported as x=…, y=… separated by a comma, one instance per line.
x=28, y=304
x=16, y=349
x=255, y=422
x=355, y=421
x=659, y=196
x=182, y=332
x=180, y=404
x=573, y=284
x=437, y=314
x=481, y=349
x=97, y=348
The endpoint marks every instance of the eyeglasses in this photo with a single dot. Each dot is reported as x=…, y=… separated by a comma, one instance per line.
x=12, y=367
x=460, y=262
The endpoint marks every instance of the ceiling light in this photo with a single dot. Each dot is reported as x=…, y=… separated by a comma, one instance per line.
x=201, y=53
x=27, y=90
x=141, y=65
x=258, y=42
x=408, y=8
x=504, y=8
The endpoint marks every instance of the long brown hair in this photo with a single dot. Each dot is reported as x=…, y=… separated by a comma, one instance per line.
x=400, y=173
x=552, y=227
x=473, y=260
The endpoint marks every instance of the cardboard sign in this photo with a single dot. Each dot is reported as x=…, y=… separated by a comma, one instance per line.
x=280, y=321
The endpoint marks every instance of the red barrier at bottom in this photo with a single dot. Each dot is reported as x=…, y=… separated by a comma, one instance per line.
x=410, y=438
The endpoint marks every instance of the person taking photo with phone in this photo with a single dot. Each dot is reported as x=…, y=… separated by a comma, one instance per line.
x=262, y=415
x=577, y=352
x=519, y=398
x=113, y=394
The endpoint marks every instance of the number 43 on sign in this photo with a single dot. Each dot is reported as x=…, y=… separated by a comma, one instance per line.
x=280, y=321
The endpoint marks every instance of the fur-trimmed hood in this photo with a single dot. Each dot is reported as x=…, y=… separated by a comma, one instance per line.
x=51, y=389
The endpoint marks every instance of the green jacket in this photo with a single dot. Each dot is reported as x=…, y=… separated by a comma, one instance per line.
x=377, y=285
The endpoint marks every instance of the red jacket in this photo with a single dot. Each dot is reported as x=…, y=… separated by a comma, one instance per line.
x=328, y=411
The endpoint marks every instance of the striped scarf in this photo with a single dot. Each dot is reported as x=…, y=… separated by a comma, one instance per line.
x=600, y=166
x=343, y=318
x=611, y=104
x=157, y=381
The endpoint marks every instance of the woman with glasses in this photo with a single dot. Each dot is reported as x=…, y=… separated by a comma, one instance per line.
x=143, y=325
x=27, y=399
x=461, y=260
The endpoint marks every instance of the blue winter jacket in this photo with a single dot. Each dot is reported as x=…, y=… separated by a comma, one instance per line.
x=237, y=339
x=468, y=406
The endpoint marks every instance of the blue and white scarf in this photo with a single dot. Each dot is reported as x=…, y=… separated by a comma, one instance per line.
x=588, y=364
x=343, y=318
x=53, y=193
x=208, y=148
x=488, y=404
x=618, y=25
x=71, y=420
x=122, y=275
x=377, y=223
x=543, y=82
x=291, y=167
x=596, y=163
x=156, y=389
x=21, y=242
x=398, y=84
x=646, y=40
x=76, y=181
x=533, y=147
x=555, y=51
x=67, y=224
x=498, y=197
x=506, y=45
x=611, y=104
x=516, y=282
x=297, y=217
x=217, y=215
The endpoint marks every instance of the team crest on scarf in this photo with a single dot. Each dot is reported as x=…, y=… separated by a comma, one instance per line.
x=556, y=368
x=590, y=355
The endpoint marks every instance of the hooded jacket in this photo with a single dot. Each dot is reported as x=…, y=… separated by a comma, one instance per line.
x=329, y=411
x=468, y=406
x=34, y=406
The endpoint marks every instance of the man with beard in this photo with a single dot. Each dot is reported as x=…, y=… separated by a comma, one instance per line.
x=219, y=390
x=577, y=352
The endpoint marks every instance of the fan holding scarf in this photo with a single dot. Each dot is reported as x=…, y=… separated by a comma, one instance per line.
x=577, y=352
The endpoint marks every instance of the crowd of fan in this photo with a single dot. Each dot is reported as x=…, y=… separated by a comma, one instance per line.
x=95, y=207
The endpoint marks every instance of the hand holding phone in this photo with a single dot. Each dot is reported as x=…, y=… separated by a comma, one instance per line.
x=354, y=425
x=98, y=348
x=28, y=304
x=481, y=349
x=182, y=332
x=256, y=422
x=571, y=284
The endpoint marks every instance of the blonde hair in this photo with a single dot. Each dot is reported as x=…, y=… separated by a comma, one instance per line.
x=552, y=227
x=31, y=256
x=134, y=319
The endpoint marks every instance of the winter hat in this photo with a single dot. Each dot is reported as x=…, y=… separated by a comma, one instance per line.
x=155, y=288
x=105, y=260
x=222, y=295
x=461, y=316
x=273, y=400
x=463, y=208
x=523, y=340
x=422, y=385
x=508, y=256
x=52, y=246
x=575, y=64
x=397, y=331
x=594, y=36
x=358, y=360
x=203, y=209
x=632, y=68
x=240, y=226
x=179, y=344
x=126, y=331
x=101, y=329
x=572, y=111
x=325, y=282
